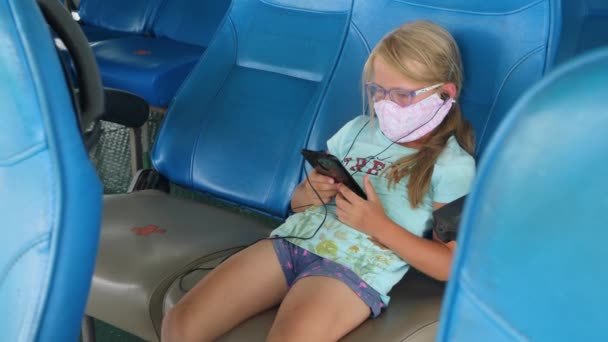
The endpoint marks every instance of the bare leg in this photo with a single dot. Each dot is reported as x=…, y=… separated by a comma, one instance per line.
x=318, y=309
x=245, y=284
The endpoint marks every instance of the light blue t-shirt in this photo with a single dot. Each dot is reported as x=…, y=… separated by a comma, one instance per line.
x=381, y=268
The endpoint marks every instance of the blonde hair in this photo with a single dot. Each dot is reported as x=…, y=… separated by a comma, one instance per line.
x=423, y=52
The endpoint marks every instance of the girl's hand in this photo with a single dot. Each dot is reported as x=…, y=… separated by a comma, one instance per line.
x=325, y=186
x=367, y=216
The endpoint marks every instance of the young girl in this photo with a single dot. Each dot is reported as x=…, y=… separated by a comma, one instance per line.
x=350, y=253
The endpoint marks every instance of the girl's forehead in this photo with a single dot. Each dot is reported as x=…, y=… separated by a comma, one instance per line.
x=389, y=76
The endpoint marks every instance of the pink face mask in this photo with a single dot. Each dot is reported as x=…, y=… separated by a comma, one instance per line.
x=405, y=124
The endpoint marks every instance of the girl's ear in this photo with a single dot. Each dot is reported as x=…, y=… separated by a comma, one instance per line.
x=449, y=89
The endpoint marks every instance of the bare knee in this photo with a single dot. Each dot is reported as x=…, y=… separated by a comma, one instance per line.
x=296, y=328
x=171, y=329
x=177, y=327
x=289, y=330
x=301, y=328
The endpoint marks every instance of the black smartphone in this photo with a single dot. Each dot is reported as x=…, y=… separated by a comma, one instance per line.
x=328, y=165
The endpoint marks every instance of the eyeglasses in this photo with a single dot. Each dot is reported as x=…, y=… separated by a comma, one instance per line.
x=400, y=96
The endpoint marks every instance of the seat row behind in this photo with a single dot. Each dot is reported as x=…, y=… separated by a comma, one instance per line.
x=149, y=47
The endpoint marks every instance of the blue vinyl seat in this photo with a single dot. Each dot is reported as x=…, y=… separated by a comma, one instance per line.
x=154, y=66
x=585, y=27
x=95, y=33
x=281, y=75
x=50, y=196
x=108, y=19
x=530, y=265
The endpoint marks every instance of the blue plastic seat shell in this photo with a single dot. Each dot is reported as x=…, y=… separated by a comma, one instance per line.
x=50, y=196
x=250, y=108
x=531, y=241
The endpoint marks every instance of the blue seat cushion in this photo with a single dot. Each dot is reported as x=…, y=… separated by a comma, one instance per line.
x=96, y=34
x=190, y=21
x=152, y=68
x=136, y=17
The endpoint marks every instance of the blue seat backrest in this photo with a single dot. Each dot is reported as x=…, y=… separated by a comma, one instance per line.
x=530, y=264
x=505, y=46
x=585, y=27
x=236, y=127
x=134, y=16
x=50, y=196
x=190, y=21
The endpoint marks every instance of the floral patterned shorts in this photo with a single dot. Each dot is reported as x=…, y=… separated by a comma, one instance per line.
x=298, y=263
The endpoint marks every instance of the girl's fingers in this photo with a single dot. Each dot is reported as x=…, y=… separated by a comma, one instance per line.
x=369, y=190
x=324, y=200
x=314, y=176
x=341, y=214
x=319, y=186
x=322, y=194
x=348, y=194
x=342, y=202
x=326, y=196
